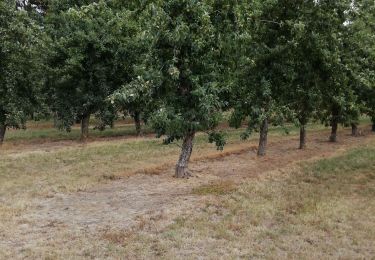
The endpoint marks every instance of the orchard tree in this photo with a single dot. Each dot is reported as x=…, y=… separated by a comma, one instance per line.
x=363, y=47
x=182, y=66
x=330, y=26
x=20, y=80
x=134, y=98
x=302, y=93
x=263, y=72
x=89, y=59
x=322, y=60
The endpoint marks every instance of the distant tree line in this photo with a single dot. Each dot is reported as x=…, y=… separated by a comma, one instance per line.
x=179, y=64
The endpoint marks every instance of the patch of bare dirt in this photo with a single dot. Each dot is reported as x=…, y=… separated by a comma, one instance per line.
x=120, y=204
x=280, y=154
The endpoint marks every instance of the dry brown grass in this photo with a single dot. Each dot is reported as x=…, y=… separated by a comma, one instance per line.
x=322, y=210
x=267, y=217
x=47, y=171
x=216, y=188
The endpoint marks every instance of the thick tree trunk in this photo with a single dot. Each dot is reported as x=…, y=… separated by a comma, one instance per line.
x=373, y=127
x=302, y=137
x=355, y=131
x=186, y=150
x=85, y=122
x=263, y=138
x=333, y=137
x=2, y=133
x=137, y=121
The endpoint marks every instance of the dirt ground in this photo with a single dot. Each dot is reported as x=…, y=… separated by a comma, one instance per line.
x=123, y=204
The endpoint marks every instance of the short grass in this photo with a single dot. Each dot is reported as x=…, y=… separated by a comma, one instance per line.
x=215, y=188
x=43, y=131
x=78, y=167
x=322, y=210
x=44, y=172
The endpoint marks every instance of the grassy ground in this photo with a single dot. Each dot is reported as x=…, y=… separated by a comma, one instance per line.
x=43, y=131
x=77, y=167
x=325, y=209
x=321, y=210
x=315, y=210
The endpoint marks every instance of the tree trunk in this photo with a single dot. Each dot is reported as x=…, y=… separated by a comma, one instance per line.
x=355, y=130
x=186, y=150
x=137, y=121
x=373, y=127
x=2, y=133
x=333, y=137
x=55, y=120
x=334, y=124
x=302, y=137
x=85, y=122
x=263, y=138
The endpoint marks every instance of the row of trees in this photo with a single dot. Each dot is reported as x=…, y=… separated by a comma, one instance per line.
x=178, y=64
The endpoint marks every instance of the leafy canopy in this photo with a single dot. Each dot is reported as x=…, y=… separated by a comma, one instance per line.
x=182, y=64
x=89, y=59
x=20, y=78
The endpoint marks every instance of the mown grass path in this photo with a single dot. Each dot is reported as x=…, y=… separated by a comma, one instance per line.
x=89, y=222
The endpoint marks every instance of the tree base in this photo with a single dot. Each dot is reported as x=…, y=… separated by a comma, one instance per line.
x=182, y=173
x=186, y=150
x=333, y=138
x=302, y=137
x=261, y=153
x=355, y=130
x=85, y=122
x=2, y=133
x=263, y=138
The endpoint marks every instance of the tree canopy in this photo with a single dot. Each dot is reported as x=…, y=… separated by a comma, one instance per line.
x=20, y=78
x=182, y=65
x=89, y=59
x=178, y=65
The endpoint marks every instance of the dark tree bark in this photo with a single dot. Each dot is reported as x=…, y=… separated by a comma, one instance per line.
x=186, y=150
x=263, y=138
x=55, y=120
x=355, y=131
x=373, y=127
x=302, y=137
x=137, y=121
x=2, y=132
x=334, y=124
x=85, y=122
x=333, y=137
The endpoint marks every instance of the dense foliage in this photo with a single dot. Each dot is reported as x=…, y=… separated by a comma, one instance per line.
x=177, y=65
x=182, y=66
x=89, y=59
x=20, y=78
